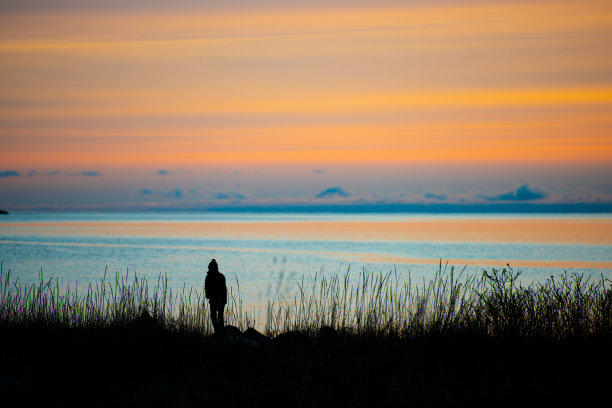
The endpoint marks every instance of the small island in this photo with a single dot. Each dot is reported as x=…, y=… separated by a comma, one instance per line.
x=3, y=212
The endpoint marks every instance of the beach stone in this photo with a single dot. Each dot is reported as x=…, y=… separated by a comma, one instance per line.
x=231, y=331
x=291, y=338
x=13, y=384
x=327, y=333
x=255, y=336
x=144, y=322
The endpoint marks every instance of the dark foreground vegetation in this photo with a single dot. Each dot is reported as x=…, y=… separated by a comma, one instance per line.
x=378, y=341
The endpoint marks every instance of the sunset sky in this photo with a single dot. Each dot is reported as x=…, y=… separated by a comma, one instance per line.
x=188, y=104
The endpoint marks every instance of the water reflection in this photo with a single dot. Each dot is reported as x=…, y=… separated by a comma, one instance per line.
x=268, y=254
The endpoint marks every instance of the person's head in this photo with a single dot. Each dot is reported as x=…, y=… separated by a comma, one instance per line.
x=213, y=267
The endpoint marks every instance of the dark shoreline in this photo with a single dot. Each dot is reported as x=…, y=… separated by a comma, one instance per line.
x=453, y=342
x=520, y=208
x=127, y=366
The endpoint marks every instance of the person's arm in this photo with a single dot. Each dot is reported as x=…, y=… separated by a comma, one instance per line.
x=224, y=293
x=206, y=288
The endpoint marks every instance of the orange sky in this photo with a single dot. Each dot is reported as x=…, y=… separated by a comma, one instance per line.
x=205, y=89
x=590, y=231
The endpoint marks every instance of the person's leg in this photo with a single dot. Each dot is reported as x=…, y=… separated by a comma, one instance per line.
x=213, y=317
x=220, y=321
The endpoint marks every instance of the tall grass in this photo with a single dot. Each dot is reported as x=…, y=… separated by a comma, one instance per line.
x=494, y=303
x=110, y=302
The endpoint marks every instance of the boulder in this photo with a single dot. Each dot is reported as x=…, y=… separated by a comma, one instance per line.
x=327, y=333
x=255, y=336
x=231, y=331
x=144, y=322
x=291, y=338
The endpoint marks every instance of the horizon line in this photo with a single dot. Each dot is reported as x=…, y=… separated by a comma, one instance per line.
x=437, y=208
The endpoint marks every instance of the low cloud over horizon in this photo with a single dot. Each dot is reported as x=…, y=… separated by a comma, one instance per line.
x=336, y=191
x=433, y=196
x=229, y=195
x=195, y=189
x=523, y=193
x=176, y=193
x=91, y=173
x=9, y=173
x=34, y=173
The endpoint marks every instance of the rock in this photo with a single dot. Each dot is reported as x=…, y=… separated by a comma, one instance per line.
x=12, y=384
x=144, y=322
x=4, y=212
x=327, y=333
x=254, y=335
x=231, y=331
x=291, y=337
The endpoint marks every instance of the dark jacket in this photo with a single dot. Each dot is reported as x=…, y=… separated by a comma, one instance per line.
x=214, y=288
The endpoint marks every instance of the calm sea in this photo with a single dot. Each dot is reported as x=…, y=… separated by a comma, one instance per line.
x=268, y=253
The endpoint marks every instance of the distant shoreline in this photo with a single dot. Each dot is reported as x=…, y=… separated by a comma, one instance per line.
x=428, y=209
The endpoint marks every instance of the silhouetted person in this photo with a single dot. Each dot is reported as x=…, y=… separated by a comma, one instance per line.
x=216, y=293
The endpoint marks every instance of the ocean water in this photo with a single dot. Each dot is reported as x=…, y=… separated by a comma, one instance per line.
x=268, y=253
